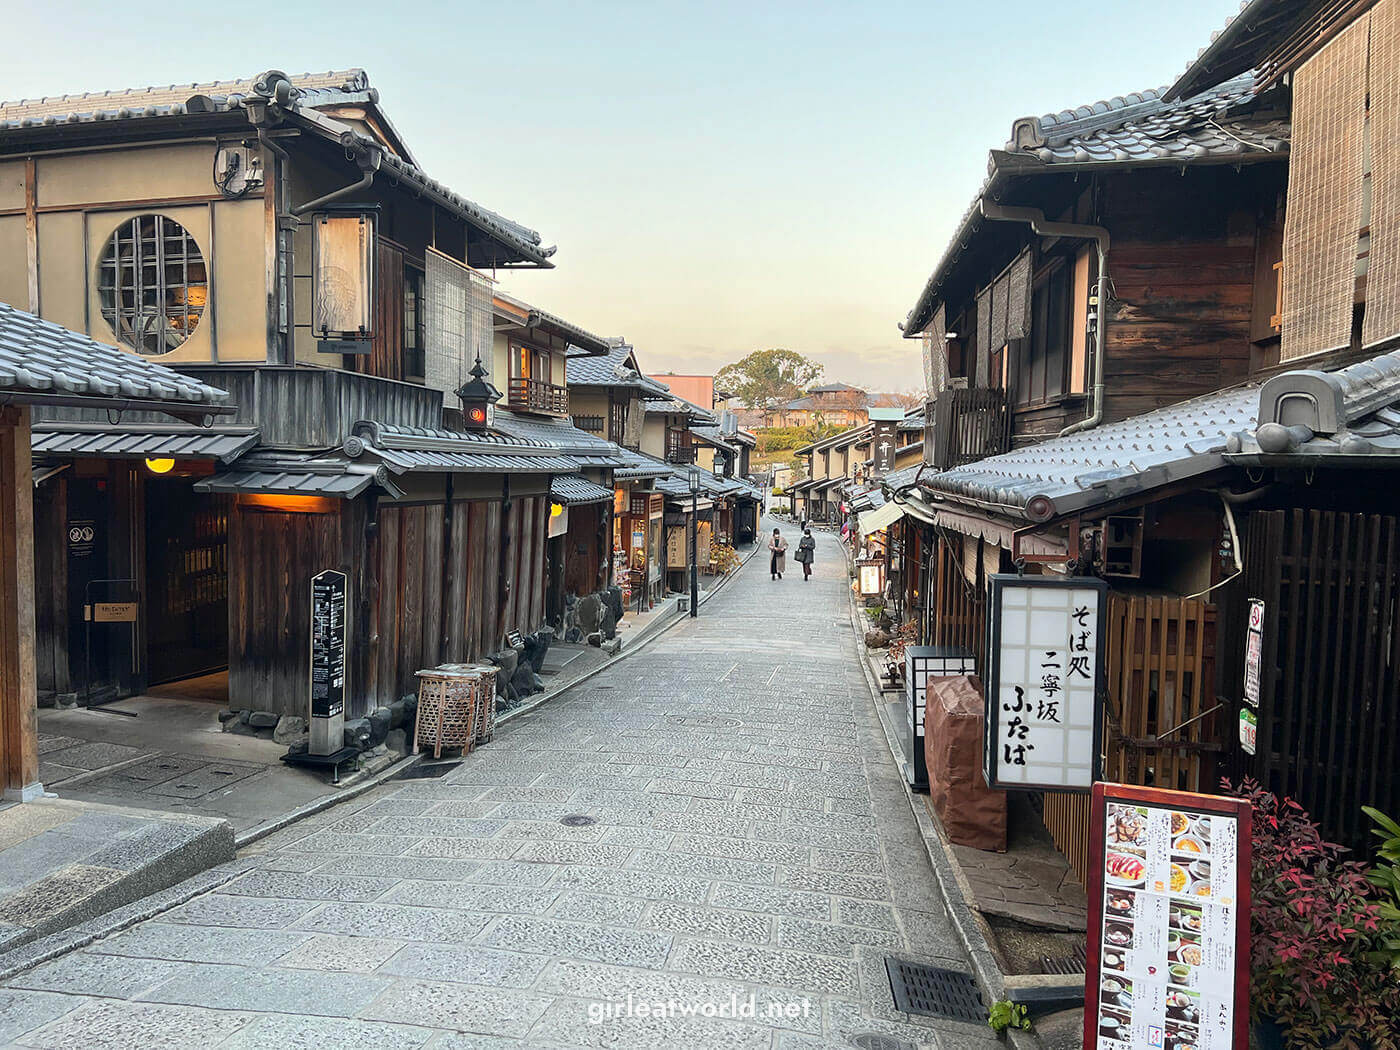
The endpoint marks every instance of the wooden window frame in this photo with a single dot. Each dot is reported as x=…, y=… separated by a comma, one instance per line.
x=414, y=278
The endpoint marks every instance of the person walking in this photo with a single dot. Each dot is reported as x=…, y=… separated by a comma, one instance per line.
x=778, y=546
x=806, y=548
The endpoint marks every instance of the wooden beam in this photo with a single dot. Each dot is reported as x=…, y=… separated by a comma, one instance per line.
x=19, y=712
x=31, y=232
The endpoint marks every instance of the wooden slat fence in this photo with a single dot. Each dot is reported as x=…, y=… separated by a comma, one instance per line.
x=1162, y=727
x=970, y=425
x=1329, y=713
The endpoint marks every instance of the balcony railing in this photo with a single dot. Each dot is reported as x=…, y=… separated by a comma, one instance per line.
x=680, y=447
x=969, y=425
x=531, y=395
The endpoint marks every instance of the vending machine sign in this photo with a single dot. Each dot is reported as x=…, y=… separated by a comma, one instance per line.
x=1168, y=921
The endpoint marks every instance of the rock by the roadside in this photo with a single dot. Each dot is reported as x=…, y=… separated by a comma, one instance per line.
x=264, y=720
x=379, y=720
x=613, y=596
x=507, y=660
x=288, y=729
x=595, y=639
x=590, y=613
x=877, y=639
x=357, y=734
x=613, y=647
x=523, y=681
x=608, y=628
x=227, y=715
x=397, y=740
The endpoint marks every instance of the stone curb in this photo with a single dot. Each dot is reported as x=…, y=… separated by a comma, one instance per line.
x=51, y=947
x=952, y=884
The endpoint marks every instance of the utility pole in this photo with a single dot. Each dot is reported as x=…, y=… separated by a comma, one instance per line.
x=694, y=526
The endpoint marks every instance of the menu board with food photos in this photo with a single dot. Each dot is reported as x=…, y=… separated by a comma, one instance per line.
x=1169, y=921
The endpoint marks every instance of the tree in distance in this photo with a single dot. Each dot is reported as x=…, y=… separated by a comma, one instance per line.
x=766, y=376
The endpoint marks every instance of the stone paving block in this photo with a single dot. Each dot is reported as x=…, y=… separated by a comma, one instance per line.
x=356, y=843
x=24, y=1011
x=94, y=755
x=49, y=742
x=395, y=921
x=268, y=991
x=627, y=883
x=110, y=976
x=526, y=901
x=742, y=849
x=838, y=883
x=463, y=848
x=819, y=837
x=146, y=845
x=109, y=1024
x=598, y=908
x=871, y=914
x=549, y=852
x=791, y=969
x=340, y=954
x=575, y=940
x=440, y=827
x=692, y=789
x=465, y=964
x=512, y=873
x=709, y=923
x=831, y=939
x=569, y=1021
x=218, y=944
x=291, y=861
x=223, y=909
x=552, y=830
x=464, y=1041
x=527, y=794
x=284, y=1032
x=774, y=900
x=648, y=838
x=18, y=823
x=710, y=867
x=443, y=869
x=457, y=1006
x=850, y=863
x=313, y=886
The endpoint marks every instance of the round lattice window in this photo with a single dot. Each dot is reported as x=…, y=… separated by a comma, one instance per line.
x=153, y=284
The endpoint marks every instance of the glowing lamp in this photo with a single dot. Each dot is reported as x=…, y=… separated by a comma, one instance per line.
x=556, y=509
x=160, y=466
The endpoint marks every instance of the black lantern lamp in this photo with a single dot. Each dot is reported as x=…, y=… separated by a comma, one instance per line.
x=477, y=396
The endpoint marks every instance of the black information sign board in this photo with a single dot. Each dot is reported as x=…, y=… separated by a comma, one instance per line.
x=328, y=603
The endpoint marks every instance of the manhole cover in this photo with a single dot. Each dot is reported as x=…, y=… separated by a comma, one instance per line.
x=935, y=992
x=427, y=771
x=578, y=820
x=876, y=1041
x=705, y=721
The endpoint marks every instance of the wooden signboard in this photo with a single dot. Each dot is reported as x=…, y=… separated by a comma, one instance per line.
x=113, y=612
x=1168, y=959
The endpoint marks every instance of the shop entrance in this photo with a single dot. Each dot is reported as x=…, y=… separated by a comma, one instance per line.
x=186, y=586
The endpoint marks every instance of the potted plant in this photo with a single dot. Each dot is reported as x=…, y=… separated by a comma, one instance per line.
x=1317, y=975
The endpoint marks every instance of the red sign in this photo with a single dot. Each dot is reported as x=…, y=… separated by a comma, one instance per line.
x=1168, y=921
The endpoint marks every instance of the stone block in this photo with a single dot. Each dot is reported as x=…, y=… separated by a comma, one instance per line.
x=590, y=613
x=263, y=719
x=357, y=734
x=289, y=729
x=379, y=721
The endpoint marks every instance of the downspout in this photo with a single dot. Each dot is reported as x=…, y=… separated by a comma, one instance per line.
x=1078, y=231
x=285, y=224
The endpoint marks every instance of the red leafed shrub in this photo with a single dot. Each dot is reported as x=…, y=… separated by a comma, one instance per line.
x=1317, y=935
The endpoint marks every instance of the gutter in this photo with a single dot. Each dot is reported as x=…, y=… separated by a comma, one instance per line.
x=1078, y=231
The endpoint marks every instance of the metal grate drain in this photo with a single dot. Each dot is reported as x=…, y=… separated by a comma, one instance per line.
x=935, y=992
x=1076, y=962
x=577, y=820
x=876, y=1041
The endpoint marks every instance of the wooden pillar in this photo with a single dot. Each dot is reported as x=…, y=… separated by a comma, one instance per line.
x=19, y=712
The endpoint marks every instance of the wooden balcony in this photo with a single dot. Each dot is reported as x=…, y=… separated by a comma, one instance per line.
x=680, y=447
x=968, y=425
x=531, y=395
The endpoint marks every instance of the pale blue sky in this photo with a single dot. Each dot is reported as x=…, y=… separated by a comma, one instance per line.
x=718, y=177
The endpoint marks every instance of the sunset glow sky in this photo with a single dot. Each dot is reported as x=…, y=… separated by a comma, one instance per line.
x=718, y=177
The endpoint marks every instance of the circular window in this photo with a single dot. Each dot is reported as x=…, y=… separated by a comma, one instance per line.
x=153, y=284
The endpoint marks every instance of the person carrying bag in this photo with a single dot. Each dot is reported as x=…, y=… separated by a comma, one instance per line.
x=778, y=546
x=806, y=549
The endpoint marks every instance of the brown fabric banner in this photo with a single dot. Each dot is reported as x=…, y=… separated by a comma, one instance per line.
x=1324, y=196
x=1382, y=319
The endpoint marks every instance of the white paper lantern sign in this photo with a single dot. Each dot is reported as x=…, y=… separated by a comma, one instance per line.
x=1045, y=680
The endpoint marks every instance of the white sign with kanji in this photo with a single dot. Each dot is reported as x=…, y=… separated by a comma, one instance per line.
x=1043, y=715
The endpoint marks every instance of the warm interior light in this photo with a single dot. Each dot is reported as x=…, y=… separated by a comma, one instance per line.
x=556, y=509
x=477, y=415
x=160, y=466
x=292, y=504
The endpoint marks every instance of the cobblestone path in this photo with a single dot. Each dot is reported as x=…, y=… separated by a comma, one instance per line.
x=748, y=837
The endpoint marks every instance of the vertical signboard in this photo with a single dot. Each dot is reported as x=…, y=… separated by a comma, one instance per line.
x=1044, y=682
x=329, y=600
x=1168, y=921
x=883, y=440
x=1253, y=662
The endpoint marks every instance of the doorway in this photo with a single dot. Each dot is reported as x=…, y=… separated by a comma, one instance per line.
x=186, y=582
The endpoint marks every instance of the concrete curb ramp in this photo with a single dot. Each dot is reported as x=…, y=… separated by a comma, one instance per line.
x=63, y=863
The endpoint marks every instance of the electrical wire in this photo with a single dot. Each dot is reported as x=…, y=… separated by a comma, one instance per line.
x=1234, y=549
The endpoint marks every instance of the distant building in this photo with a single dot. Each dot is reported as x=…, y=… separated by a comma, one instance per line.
x=831, y=403
x=698, y=390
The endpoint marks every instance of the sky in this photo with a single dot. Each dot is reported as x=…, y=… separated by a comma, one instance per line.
x=719, y=177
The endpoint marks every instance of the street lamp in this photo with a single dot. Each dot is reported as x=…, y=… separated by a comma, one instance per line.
x=694, y=518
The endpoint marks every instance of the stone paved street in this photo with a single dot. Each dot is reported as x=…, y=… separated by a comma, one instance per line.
x=749, y=835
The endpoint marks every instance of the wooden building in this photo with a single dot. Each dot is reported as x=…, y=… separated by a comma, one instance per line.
x=43, y=365
x=275, y=238
x=1152, y=358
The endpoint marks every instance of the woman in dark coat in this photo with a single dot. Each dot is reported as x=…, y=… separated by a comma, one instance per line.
x=805, y=551
x=778, y=546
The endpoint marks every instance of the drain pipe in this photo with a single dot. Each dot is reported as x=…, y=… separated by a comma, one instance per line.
x=1078, y=231
x=366, y=156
